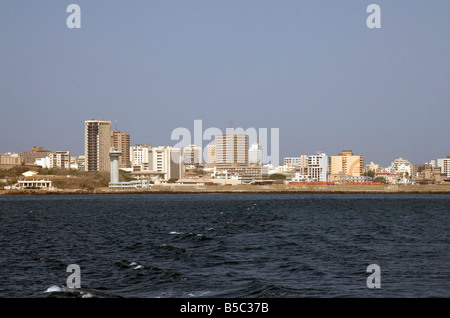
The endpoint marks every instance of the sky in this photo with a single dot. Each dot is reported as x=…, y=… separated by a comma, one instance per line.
x=313, y=69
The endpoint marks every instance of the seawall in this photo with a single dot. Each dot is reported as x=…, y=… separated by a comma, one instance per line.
x=191, y=189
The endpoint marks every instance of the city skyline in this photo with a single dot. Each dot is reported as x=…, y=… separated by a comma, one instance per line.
x=315, y=71
x=112, y=137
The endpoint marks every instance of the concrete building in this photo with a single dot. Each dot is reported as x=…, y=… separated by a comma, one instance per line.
x=401, y=166
x=231, y=150
x=243, y=174
x=211, y=160
x=372, y=167
x=255, y=154
x=445, y=165
x=168, y=160
x=192, y=155
x=431, y=174
x=35, y=153
x=35, y=184
x=10, y=159
x=114, y=156
x=97, y=144
x=121, y=142
x=60, y=159
x=346, y=163
x=154, y=177
x=81, y=162
x=139, y=157
x=57, y=160
x=295, y=161
x=312, y=168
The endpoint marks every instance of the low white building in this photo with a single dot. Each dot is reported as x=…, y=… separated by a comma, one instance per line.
x=41, y=184
x=29, y=173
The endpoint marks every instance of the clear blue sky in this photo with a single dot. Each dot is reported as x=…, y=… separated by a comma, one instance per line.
x=310, y=68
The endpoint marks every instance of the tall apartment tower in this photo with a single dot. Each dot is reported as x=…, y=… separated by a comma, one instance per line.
x=121, y=142
x=232, y=150
x=255, y=154
x=97, y=142
x=192, y=155
x=167, y=160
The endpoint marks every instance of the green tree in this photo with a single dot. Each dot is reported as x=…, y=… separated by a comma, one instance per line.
x=277, y=176
x=369, y=173
x=172, y=180
x=380, y=179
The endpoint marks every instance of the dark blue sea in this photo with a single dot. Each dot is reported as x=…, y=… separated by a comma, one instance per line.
x=225, y=245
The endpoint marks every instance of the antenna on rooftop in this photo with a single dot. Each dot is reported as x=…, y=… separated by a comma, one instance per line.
x=116, y=124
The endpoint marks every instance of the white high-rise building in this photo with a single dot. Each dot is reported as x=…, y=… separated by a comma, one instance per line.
x=255, y=154
x=168, y=160
x=139, y=157
x=445, y=165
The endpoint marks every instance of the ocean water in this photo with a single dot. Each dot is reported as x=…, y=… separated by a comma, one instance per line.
x=225, y=245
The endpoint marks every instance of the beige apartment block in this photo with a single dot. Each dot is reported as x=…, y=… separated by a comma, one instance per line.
x=346, y=163
x=231, y=150
x=121, y=142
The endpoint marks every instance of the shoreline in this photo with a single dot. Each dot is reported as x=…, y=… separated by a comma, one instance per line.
x=250, y=189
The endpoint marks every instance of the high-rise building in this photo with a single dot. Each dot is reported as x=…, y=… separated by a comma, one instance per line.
x=139, y=157
x=346, y=164
x=97, y=143
x=192, y=155
x=59, y=159
x=211, y=160
x=312, y=168
x=121, y=142
x=255, y=154
x=168, y=160
x=445, y=166
x=35, y=153
x=231, y=150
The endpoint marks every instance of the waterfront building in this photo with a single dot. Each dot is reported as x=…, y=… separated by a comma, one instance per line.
x=346, y=163
x=10, y=159
x=231, y=150
x=97, y=145
x=313, y=168
x=211, y=160
x=255, y=154
x=192, y=155
x=30, y=157
x=299, y=162
x=168, y=160
x=444, y=163
x=121, y=142
x=372, y=167
x=114, y=156
x=139, y=157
